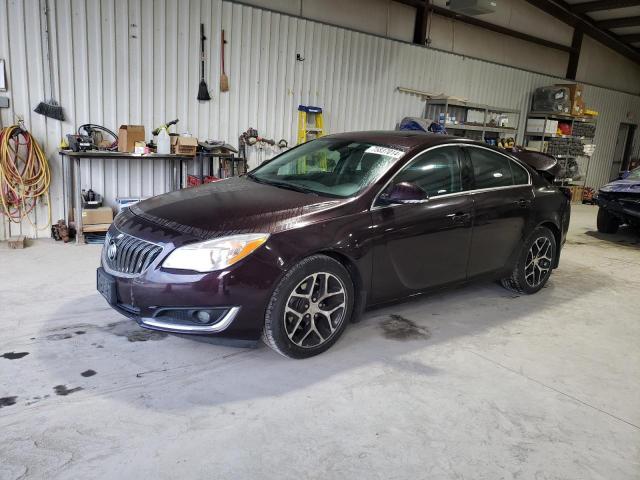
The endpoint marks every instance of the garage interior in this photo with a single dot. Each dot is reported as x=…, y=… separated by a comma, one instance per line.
x=110, y=103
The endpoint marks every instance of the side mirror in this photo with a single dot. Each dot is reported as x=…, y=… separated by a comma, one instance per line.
x=404, y=192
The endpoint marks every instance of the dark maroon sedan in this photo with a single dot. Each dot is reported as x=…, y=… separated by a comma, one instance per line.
x=302, y=244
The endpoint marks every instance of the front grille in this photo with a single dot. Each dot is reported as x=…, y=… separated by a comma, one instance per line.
x=126, y=254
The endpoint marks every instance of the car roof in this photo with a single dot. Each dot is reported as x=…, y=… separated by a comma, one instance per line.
x=405, y=139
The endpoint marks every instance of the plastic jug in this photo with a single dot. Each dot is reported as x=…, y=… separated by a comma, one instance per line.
x=163, y=142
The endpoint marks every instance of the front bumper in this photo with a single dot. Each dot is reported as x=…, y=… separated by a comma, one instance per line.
x=169, y=300
x=625, y=206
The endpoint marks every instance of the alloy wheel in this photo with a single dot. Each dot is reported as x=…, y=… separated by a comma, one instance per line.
x=539, y=260
x=315, y=310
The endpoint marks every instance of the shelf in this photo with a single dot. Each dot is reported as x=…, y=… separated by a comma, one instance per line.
x=555, y=135
x=560, y=116
x=474, y=106
x=479, y=128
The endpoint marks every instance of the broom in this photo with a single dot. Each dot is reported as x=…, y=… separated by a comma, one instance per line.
x=49, y=108
x=224, y=80
x=203, y=90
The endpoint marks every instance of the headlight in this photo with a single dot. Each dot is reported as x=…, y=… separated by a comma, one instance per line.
x=215, y=254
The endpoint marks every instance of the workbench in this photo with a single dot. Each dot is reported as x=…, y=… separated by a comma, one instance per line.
x=207, y=158
x=73, y=183
x=71, y=172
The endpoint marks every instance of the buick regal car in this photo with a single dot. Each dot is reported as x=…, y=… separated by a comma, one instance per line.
x=300, y=246
x=619, y=203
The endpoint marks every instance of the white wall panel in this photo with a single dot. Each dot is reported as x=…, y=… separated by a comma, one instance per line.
x=137, y=61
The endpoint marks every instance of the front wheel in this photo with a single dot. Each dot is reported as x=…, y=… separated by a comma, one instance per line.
x=607, y=223
x=533, y=268
x=310, y=308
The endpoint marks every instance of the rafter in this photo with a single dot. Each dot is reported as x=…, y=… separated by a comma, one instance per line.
x=599, y=5
x=631, y=38
x=620, y=22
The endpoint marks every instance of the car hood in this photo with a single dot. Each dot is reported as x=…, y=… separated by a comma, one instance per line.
x=623, y=186
x=235, y=205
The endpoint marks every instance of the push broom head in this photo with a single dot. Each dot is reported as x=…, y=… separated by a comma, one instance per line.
x=224, y=83
x=50, y=109
x=203, y=91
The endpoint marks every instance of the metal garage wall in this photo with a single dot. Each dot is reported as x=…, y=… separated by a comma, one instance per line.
x=136, y=61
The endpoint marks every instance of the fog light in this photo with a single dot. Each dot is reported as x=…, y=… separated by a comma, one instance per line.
x=203, y=316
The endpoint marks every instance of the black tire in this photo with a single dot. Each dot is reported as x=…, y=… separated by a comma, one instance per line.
x=275, y=333
x=521, y=280
x=607, y=223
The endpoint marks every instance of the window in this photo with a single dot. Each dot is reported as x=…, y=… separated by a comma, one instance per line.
x=520, y=175
x=437, y=172
x=331, y=167
x=490, y=169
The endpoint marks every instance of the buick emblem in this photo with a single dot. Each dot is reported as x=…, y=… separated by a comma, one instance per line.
x=112, y=250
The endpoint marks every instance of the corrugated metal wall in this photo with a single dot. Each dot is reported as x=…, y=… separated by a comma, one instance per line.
x=137, y=61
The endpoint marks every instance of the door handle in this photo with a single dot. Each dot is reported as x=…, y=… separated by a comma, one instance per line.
x=459, y=217
x=523, y=203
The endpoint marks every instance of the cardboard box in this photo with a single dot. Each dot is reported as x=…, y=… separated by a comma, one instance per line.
x=538, y=125
x=576, y=193
x=186, y=145
x=576, y=97
x=173, y=140
x=98, y=228
x=97, y=215
x=128, y=135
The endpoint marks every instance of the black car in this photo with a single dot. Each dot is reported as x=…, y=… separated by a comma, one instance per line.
x=619, y=203
x=302, y=244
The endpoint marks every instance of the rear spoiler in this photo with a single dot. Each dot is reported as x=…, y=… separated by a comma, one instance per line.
x=546, y=165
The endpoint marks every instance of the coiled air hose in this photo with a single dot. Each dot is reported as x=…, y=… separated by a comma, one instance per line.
x=25, y=176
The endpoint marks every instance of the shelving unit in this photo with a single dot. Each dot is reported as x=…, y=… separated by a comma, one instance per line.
x=569, y=149
x=473, y=120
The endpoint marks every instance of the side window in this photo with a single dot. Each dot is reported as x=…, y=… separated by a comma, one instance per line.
x=520, y=175
x=490, y=169
x=437, y=172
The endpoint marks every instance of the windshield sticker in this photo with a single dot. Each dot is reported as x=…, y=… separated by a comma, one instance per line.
x=389, y=152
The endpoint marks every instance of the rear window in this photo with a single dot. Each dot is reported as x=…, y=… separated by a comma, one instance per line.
x=490, y=169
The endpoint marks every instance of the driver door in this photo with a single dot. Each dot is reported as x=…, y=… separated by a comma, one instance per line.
x=425, y=244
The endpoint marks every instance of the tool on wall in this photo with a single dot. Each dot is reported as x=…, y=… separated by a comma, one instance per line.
x=24, y=175
x=49, y=108
x=203, y=90
x=224, y=80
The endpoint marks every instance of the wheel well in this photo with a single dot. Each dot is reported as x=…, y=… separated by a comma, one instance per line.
x=349, y=265
x=356, y=277
x=556, y=234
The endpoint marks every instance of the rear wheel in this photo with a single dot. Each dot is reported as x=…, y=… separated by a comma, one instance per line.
x=607, y=223
x=310, y=308
x=533, y=268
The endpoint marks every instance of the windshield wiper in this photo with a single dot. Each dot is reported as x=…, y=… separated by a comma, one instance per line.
x=288, y=186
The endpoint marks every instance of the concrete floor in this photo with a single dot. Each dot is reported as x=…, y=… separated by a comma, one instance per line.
x=487, y=385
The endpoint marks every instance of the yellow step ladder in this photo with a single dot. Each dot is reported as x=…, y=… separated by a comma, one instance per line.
x=310, y=124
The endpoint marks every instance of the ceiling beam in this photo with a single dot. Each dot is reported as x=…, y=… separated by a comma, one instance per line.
x=631, y=38
x=620, y=22
x=603, y=5
x=420, y=27
x=562, y=11
x=574, y=56
x=445, y=12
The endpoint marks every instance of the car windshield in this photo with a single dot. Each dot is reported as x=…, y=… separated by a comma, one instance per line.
x=330, y=167
x=634, y=174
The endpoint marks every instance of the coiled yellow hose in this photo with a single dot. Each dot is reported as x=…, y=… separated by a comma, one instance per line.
x=24, y=175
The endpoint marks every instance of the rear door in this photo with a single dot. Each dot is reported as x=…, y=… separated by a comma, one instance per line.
x=423, y=244
x=502, y=197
